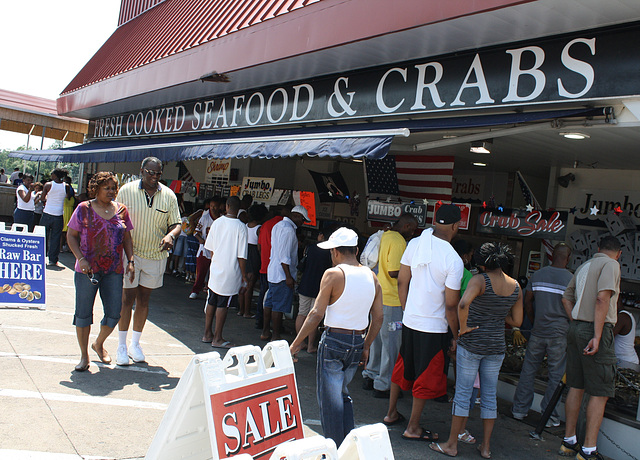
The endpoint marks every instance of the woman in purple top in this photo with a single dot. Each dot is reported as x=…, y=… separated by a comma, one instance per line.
x=98, y=232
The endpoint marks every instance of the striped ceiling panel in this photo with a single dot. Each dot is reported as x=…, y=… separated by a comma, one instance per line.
x=166, y=27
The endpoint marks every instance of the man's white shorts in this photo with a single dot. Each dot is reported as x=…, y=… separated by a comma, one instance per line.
x=149, y=273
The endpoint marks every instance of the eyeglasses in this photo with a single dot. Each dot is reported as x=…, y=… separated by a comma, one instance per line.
x=153, y=173
x=92, y=278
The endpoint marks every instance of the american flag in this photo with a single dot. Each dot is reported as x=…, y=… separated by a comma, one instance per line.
x=530, y=199
x=415, y=177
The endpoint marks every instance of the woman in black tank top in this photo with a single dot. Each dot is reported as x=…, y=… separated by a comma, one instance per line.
x=491, y=299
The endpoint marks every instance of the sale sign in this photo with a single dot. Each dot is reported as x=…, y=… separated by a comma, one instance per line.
x=255, y=419
x=465, y=213
x=520, y=223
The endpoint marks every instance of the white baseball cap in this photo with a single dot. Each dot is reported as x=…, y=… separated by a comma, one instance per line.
x=302, y=211
x=341, y=237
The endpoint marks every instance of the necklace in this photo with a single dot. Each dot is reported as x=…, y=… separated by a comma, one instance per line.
x=106, y=210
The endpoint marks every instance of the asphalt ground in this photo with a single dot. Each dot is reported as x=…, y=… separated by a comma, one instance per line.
x=48, y=411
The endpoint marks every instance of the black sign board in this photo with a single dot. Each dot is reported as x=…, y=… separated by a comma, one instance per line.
x=520, y=223
x=381, y=211
x=579, y=67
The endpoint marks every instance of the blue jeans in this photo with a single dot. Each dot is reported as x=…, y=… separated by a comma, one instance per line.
x=110, y=286
x=53, y=226
x=385, y=348
x=556, y=350
x=338, y=358
x=20, y=216
x=468, y=364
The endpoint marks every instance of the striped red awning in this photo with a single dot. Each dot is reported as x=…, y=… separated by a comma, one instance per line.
x=171, y=26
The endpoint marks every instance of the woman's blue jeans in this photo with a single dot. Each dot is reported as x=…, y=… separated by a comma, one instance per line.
x=468, y=364
x=110, y=286
x=338, y=359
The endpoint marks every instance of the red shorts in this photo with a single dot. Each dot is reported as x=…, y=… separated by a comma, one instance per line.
x=422, y=363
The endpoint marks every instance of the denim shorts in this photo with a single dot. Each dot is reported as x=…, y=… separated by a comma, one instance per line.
x=469, y=364
x=110, y=287
x=180, y=248
x=279, y=297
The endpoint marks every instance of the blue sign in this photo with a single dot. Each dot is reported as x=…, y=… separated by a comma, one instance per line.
x=22, y=266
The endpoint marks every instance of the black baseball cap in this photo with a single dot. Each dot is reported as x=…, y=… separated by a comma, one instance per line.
x=448, y=214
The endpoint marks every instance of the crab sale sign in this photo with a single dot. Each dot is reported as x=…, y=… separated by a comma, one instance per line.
x=255, y=419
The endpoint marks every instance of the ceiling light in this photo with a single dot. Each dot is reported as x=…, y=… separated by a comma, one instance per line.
x=479, y=164
x=481, y=146
x=575, y=135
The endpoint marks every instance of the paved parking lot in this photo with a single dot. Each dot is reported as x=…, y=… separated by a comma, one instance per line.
x=47, y=411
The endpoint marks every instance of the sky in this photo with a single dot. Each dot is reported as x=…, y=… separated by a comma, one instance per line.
x=46, y=43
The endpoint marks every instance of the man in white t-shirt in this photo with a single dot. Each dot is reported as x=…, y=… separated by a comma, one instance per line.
x=14, y=175
x=227, y=241
x=429, y=289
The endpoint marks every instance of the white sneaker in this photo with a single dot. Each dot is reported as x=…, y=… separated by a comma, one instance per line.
x=122, y=359
x=193, y=295
x=551, y=423
x=135, y=353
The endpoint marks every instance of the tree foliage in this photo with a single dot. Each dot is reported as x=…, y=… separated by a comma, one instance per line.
x=31, y=167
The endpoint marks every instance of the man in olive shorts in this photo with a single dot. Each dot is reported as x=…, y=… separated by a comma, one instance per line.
x=590, y=301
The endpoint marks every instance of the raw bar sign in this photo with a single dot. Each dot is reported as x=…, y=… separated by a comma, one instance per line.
x=22, y=280
x=254, y=419
x=520, y=223
x=580, y=67
x=381, y=211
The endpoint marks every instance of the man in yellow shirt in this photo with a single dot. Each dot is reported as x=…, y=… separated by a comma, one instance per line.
x=385, y=348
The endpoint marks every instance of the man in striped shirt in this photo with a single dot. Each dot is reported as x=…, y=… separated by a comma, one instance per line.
x=549, y=333
x=154, y=212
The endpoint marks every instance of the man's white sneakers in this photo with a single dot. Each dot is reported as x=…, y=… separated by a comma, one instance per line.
x=193, y=295
x=122, y=359
x=135, y=353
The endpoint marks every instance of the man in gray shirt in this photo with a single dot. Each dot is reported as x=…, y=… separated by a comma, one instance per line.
x=549, y=333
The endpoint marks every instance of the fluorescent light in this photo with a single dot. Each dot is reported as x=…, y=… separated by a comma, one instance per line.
x=478, y=164
x=480, y=147
x=575, y=135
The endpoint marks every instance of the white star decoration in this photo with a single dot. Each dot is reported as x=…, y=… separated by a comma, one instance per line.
x=529, y=207
x=594, y=210
x=425, y=202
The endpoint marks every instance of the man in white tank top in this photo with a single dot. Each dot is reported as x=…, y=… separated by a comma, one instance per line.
x=349, y=293
x=52, y=220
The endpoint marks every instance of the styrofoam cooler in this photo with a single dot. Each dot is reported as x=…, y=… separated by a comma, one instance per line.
x=370, y=442
x=313, y=448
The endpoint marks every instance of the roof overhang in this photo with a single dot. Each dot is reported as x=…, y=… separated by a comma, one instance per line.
x=339, y=36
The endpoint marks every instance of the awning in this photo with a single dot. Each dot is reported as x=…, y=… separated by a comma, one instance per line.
x=346, y=141
x=373, y=144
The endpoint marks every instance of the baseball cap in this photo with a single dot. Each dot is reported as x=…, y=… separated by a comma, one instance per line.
x=448, y=214
x=302, y=211
x=341, y=237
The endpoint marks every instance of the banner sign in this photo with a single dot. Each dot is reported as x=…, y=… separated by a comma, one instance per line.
x=520, y=223
x=22, y=266
x=308, y=201
x=260, y=188
x=382, y=211
x=217, y=169
x=465, y=213
x=569, y=68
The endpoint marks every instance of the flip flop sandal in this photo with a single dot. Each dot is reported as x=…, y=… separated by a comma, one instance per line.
x=434, y=446
x=426, y=435
x=400, y=419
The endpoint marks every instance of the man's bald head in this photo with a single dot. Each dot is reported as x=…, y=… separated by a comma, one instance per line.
x=561, y=255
